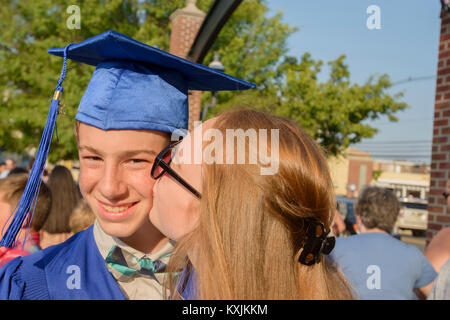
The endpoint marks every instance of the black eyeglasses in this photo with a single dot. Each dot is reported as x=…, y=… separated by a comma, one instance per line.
x=162, y=165
x=445, y=194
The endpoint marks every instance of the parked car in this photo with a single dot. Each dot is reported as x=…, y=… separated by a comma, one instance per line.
x=413, y=216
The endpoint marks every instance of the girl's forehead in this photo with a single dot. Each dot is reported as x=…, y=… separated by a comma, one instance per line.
x=198, y=133
x=190, y=150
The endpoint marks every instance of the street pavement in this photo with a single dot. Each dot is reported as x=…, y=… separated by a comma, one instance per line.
x=407, y=237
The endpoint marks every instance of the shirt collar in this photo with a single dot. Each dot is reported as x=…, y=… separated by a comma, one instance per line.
x=105, y=242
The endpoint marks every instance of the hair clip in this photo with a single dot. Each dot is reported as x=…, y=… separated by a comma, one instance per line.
x=316, y=243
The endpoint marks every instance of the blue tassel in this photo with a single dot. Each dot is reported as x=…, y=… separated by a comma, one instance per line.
x=29, y=198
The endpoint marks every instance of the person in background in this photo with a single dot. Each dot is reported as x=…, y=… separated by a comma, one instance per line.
x=241, y=233
x=82, y=217
x=338, y=223
x=11, y=189
x=2, y=167
x=9, y=165
x=30, y=165
x=438, y=252
x=65, y=199
x=378, y=265
x=45, y=176
x=18, y=170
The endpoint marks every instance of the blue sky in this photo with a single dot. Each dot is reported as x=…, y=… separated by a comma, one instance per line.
x=406, y=46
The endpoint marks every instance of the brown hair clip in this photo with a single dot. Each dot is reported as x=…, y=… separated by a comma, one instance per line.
x=316, y=243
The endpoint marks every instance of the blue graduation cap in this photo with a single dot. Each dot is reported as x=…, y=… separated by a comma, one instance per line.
x=134, y=86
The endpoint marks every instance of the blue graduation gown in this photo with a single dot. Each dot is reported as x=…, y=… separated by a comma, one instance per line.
x=72, y=270
x=189, y=291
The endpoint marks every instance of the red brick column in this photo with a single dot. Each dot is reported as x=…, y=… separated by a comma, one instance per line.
x=439, y=214
x=185, y=24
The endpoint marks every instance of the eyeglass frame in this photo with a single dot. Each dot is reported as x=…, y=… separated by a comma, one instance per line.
x=166, y=168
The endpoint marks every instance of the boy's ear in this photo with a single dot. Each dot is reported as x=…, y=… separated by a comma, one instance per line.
x=358, y=221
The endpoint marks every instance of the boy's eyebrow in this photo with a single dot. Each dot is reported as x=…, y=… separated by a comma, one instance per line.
x=125, y=153
x=135, y=152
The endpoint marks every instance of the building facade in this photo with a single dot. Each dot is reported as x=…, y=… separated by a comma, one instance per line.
x=439, y=213
x=356, y=169
x=351, y=172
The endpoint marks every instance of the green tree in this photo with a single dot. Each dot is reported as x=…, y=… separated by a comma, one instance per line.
x=252, y=46
x=376, y=174
x=332, y=112
x=28, y=75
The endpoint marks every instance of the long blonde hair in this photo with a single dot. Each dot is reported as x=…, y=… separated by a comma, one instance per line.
x=252, y=227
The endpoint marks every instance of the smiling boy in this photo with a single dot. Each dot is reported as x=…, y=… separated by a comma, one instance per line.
x=115, y=182
x=137, y=97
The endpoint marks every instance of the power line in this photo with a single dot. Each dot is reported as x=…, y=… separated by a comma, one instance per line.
x=424, y=120
x=411, y=79
x=395, y=142
x=401, y=155
x=394, y=147
x=403, y=145
x=399, y=152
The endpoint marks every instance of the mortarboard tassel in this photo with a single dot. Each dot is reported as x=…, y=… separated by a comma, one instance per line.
x=29, y=198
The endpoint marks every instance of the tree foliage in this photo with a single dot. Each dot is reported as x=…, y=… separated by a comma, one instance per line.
x=252, y=46
x=332, y=112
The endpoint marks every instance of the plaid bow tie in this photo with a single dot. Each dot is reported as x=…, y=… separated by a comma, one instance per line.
x=128, y=265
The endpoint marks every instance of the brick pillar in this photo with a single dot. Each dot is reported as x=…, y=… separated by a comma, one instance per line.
x=439, y=213
x=185, y=24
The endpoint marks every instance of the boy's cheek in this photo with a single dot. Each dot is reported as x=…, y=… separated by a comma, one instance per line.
x=86, y=181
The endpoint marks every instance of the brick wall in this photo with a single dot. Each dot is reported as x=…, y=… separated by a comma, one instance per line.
x=354, y=175
x=185, y=24
x=439, y=214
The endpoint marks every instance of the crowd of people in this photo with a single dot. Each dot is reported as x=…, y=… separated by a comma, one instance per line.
x=149, y=219
x=59, y=212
